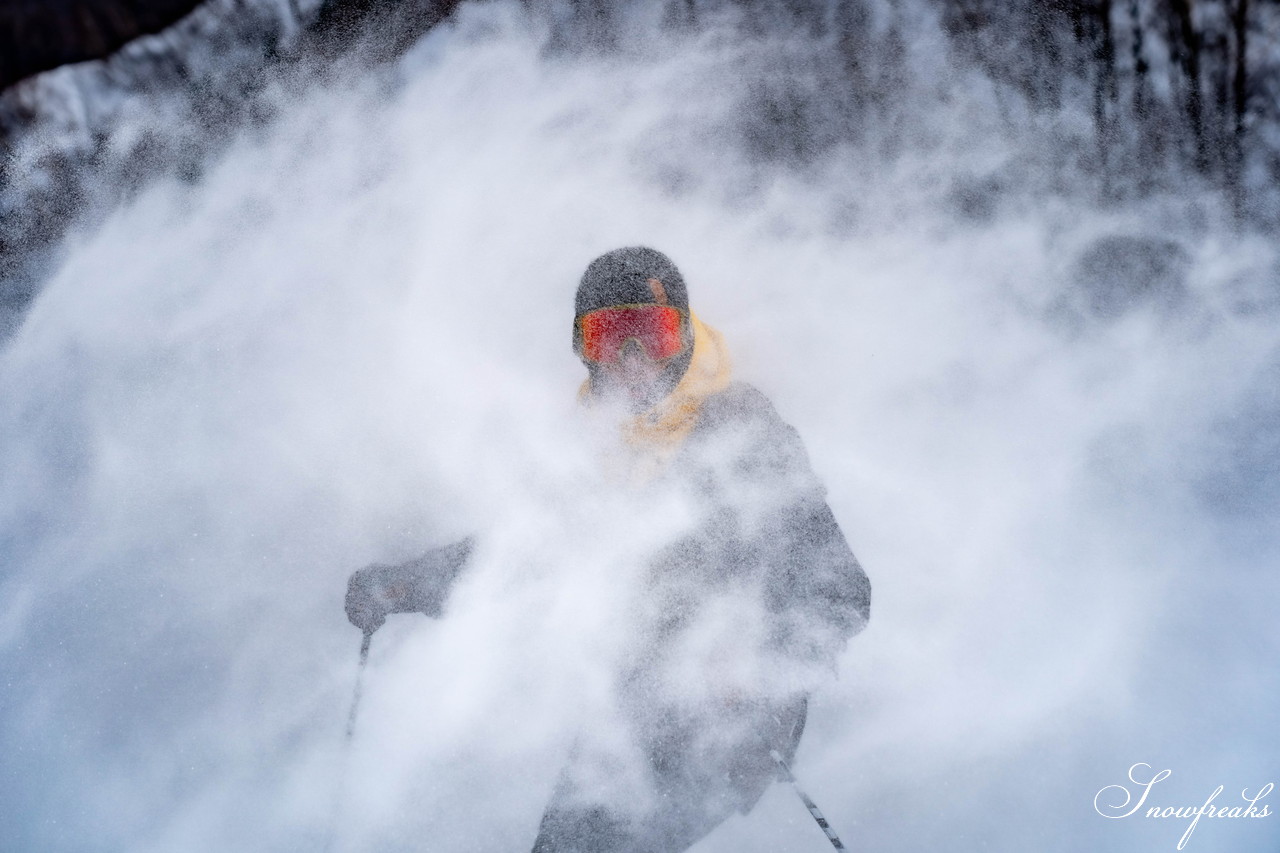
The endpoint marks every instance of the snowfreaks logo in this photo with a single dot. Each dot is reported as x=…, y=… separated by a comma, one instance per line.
x=1193, y=813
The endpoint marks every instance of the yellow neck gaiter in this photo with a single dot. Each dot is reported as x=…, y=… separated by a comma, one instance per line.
x=655, y=436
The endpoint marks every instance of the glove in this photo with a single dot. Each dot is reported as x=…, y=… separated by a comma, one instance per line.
x=372, y=593
x=418, y=586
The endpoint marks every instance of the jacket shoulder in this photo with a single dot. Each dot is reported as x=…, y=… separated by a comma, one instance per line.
x=740, y=423
x=739, y=404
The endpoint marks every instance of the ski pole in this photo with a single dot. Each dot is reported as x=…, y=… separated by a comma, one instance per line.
x=332, y=834
x=808, y=803
x=355, y=699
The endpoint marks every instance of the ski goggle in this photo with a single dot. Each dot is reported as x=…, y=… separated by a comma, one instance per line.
x=657, y=328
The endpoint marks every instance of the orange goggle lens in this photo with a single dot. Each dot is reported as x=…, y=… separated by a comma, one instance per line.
x=654, y=327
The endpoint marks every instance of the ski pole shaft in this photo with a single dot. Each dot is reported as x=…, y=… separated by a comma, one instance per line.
x=340, y=794
x=814, y=811
x=355, y=698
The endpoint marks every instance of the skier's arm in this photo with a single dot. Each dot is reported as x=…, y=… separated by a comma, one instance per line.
x=417, y=586
x=816, y=592
x=816, y=588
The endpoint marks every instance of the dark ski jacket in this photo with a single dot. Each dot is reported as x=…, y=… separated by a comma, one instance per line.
x=765, y=526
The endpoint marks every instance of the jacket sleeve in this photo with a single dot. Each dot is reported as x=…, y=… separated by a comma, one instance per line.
x=432, y=575
x=815, y=591
x=815, y=588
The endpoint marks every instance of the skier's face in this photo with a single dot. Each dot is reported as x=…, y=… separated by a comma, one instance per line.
x=634, y=378
x=630, y=349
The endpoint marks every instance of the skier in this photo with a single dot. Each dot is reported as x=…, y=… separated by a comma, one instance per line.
x=768, y=530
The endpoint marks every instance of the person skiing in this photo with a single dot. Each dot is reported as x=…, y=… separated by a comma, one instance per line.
x=766, y=533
